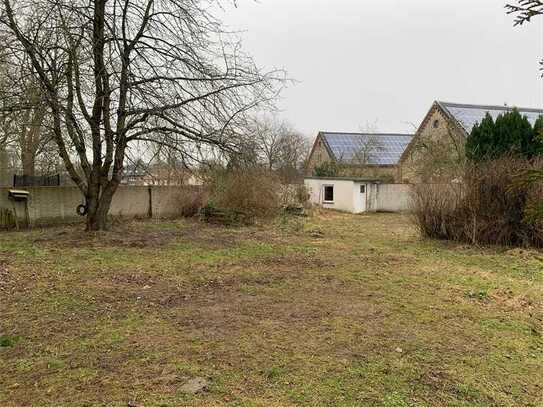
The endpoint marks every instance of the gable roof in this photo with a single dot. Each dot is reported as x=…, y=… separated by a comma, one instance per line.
x=381, y=149
x=468, y=115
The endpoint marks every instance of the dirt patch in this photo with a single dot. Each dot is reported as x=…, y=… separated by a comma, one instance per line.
x=73, y=237
x=525, y=254
x=136, y=234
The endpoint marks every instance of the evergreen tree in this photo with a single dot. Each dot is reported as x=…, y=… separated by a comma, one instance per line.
x=511, y=133
x=538, y=132
x=479, y=142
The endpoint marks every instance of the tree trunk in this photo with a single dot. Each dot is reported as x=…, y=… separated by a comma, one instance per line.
x=4, y=167
x=97, y=220
x=28, y=161
x=31, y=132
x=98, y=205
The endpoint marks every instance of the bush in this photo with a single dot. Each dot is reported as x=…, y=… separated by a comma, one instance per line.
x=192, y=202
x=434, y=207
x=487, y=208
x=302, y=196
x=294, y=196
x=227, y=217
x=7, y=219
x=246, y=193
x=326, y=169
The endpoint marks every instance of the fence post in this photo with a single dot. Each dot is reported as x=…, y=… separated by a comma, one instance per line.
x=150, y=211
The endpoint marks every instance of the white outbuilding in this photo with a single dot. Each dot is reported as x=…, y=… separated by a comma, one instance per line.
x=342, y=193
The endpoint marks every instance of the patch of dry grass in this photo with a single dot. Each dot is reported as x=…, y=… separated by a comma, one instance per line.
x=361, y=313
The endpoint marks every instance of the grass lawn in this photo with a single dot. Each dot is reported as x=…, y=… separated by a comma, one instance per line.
x=364, y=313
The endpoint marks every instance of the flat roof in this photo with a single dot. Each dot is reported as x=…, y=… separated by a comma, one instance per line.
x=355, y=179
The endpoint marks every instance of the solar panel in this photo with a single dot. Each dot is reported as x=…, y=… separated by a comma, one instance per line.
x=469, y=115
x=374, y=149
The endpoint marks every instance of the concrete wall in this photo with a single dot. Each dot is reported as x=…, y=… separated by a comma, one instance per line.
x=58, y=204
x=391, y=197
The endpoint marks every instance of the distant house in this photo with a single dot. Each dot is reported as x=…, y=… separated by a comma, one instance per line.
x=438, y=144
x=159, y=174
x=366, y=155
x=369, y=167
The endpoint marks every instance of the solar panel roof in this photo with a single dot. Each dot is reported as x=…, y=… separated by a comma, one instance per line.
x=373, y=149
x=469, y=115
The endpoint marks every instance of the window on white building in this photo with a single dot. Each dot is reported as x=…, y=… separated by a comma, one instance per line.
x=328, y=193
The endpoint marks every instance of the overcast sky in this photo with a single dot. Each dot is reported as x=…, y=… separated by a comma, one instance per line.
x=386, y=61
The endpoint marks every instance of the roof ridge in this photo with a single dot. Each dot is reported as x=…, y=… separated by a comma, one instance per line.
x=367, y=134
x=491, y=107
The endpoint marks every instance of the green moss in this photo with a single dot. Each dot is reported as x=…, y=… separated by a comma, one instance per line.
x=8, y=341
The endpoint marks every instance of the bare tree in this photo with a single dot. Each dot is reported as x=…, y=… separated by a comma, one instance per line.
x=24, y=116
x=30, y=130
x=369, y=147
x=166, y=167
x=366, y=153
x=33, y=140
x=524, y=11
x=5, y=117
x=293, y=157
x=278, y=146
x=6, y=122
x=123, y=71
x=268, y=134
x=369, y=127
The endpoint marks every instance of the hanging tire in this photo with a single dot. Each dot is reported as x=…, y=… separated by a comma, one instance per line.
x=82, y=210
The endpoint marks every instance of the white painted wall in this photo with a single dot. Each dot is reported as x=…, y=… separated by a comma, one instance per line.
x=360, y=200
x=379, y=197
x=372, y=197
x=343, y=193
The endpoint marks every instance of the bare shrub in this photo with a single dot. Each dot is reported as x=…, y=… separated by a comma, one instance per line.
x=487, y=208
x=294, y=195
x=193, y=201
x=434, y=207
x=243, y=194
x=7, y=219
x=494, y=209
x=302, y=195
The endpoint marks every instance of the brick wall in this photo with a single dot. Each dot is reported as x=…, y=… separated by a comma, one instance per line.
x=446, y=138
x=319, y=155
